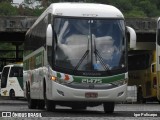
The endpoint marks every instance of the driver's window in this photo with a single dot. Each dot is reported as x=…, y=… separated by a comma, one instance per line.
x=4, y=77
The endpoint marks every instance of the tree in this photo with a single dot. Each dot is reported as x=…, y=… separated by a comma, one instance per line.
x=6, y=9
x=6, y=1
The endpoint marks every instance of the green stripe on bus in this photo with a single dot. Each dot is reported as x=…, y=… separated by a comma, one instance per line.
x=106, y=79
x=58, y=75
x=103, y=79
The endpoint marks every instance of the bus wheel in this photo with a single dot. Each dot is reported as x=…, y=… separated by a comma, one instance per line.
x=140, y=95
x=41, y=104
x=108, y=107
x=32, y=104
x=144, y=100
x=12, y=94
x=79, y=107
x=27, y=92
x=50, y=106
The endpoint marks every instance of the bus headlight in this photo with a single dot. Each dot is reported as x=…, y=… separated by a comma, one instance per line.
x=59, y=80
x=120, y=82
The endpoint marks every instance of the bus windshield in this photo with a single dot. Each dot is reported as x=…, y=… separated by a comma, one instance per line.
x=90, y=44
x=16, y=72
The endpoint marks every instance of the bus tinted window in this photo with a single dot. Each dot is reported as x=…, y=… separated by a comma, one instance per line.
x=4, y=77
x=138, y=62
x=158, y=35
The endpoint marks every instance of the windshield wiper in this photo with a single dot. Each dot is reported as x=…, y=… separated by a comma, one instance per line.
x=81, y=60
x=96, y=52
x=101, y=59
x=83, y=57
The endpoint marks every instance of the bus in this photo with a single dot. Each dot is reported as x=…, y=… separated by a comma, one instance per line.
x=0, y=83
x=142, y=73
x=12, y=81
x=158, y=58
x=75, y=54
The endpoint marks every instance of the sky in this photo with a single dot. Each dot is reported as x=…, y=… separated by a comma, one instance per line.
x=18, y=1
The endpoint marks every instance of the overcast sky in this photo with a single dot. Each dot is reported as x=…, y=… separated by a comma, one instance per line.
x=18, y=1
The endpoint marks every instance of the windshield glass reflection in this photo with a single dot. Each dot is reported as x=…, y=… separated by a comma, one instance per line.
x=86, y=44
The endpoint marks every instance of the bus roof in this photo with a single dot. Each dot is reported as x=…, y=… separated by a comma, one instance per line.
x=14, y=65
x=85, y=10
x=81, y=10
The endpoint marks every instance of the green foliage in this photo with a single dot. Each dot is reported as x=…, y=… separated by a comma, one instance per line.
x=38, y=12
x=143, y=8
x=130, y=8
x=30, y=12
x=6, y=9
x=135, y=13
x=7, y=46
x=136, y=8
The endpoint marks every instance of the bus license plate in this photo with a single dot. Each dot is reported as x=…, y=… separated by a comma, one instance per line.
x=91, y=95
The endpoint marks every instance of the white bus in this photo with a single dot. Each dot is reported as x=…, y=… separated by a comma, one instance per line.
x=0, y=83
x=158, y=58
x=12, y=81
x=75, y=55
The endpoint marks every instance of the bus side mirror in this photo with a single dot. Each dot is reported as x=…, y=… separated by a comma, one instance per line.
x=132, y=37
x=49, y=35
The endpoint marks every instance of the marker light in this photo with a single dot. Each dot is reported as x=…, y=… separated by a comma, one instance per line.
x=53, y=78
x=62, y=79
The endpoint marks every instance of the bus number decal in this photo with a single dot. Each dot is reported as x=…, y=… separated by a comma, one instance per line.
x=91, y=80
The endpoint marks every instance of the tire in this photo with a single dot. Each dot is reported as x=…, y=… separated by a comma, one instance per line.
x=79, y=108
x=27, y=91
x=50, y=106
x=12, y=94
x=144, y=100
x=140, y=98
x=32, y=104
x=41, y=104
x=108, y=107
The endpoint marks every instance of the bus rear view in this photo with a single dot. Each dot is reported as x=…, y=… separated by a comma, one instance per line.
x=83, y=57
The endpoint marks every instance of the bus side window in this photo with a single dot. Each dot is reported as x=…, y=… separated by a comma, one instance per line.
x=153, y=68
x=158, y=36
x=4, y=77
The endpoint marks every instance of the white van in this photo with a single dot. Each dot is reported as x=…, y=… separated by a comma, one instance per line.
x=12, y=81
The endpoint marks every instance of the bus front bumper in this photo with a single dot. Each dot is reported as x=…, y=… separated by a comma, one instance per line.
x=64, y=93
